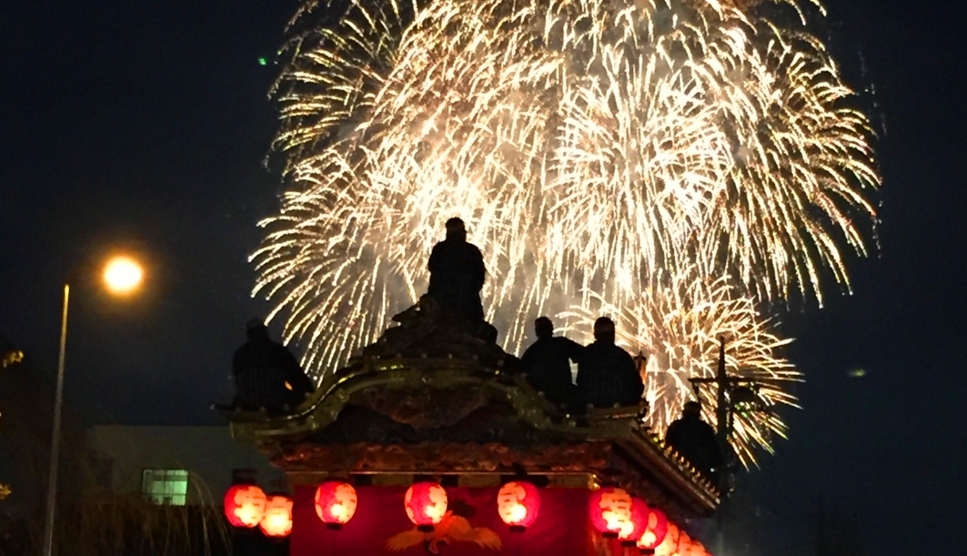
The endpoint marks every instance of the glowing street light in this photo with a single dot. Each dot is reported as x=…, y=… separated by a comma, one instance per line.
x=122, y=275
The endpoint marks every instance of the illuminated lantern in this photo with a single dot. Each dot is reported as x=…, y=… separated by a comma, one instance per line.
x=610, y=510
x=426, y=504
x=277, y=521
x=684, y=544
x=696, y=549
x=244, y=505
x=655, y=531
x=335, y=503
x=632, y=530
x=669, y=545
x=517, y=504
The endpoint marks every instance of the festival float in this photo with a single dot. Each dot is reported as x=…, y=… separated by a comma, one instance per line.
x=433, y=441
x=688, y=168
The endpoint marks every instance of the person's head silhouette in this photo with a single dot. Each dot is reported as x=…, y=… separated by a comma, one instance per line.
x=456, y=229
x=543, y=327
x=604, y=330
x=692, y=410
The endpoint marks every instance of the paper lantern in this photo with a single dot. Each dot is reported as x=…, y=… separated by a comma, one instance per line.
x=669, y=545
x=684, y=543
x=696, y=549
x=277, y=521
x=610, y=510
x=632, y=530
x=336, y=503
x=426, y=504
x=655, y=531
x=517, y=504
x=244, y=505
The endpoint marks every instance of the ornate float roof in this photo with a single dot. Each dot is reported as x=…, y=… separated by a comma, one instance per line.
x=431, y=398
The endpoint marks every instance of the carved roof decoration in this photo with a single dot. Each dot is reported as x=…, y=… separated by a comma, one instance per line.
x=430, y=397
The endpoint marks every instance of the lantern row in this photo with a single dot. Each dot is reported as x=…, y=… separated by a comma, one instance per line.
x=247, y=506
x=618, y=515
x=613, y=512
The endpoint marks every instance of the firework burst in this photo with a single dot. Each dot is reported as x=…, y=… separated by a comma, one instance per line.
x=637, y=156
x=678, y=323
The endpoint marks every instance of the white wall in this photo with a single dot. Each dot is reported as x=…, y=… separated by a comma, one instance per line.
x=208, y=453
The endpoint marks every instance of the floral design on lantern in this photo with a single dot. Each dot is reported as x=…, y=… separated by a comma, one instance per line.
x=518, y=503
x=610, y=510
x=632, y=529
x=336, y=503
x=277, y=521
x=655, y=531
x=426, y=504
x=244, y=505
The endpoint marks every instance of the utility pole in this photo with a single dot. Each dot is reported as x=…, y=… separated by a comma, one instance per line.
x=729, y=391
x=724, y=385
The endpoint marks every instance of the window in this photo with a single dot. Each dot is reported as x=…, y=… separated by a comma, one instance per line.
x=165, y=486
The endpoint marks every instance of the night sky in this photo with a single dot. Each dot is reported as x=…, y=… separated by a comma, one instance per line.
x=143, y=126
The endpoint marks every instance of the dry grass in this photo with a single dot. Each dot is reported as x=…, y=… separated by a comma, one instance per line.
x=100, y=524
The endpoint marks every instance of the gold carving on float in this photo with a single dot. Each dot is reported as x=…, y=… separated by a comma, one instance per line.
x=453, y=528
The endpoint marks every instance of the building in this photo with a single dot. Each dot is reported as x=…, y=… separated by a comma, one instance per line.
x=171, y=465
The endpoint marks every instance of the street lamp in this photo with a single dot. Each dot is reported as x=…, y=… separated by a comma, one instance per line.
x=122, y=275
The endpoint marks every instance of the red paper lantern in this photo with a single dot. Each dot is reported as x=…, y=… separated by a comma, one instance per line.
x=244, y=505
x=610, y=510
x=696, y=549
x=426, y=504
x=336, y=503
x=517, y=504
x=669, y=545
x=631, y=531
x=684, y=543
x=277, y=521
x=655, y=531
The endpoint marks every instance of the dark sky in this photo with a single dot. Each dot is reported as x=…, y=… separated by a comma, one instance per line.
x=143, y=126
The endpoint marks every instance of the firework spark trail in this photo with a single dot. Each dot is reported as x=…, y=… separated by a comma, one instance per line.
x=678, y=325
x=599, y=150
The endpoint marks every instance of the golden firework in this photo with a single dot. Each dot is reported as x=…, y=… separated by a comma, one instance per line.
x=604, y=153
x=677, y=324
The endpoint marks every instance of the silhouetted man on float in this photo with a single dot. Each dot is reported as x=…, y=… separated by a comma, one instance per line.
x=607, y=375
x=457, y=274
x=695, y=440
x=267, y=374
x=547, y=363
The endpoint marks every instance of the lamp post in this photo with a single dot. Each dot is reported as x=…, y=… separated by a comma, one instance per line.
x=122, y=275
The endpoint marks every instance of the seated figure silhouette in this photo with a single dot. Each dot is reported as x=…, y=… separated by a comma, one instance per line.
x=267, y=374
x=457, y=274
x=607, y=375
x=547, y=364
x=694, y=440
